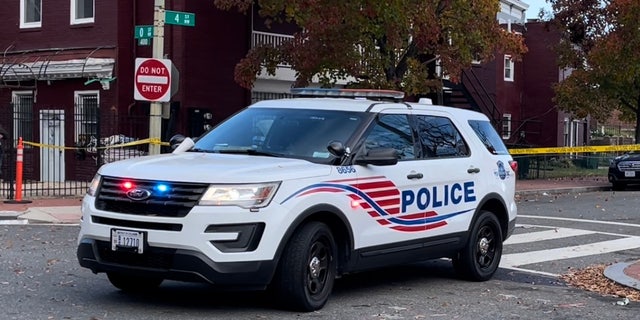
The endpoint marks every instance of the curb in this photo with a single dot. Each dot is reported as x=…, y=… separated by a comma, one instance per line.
x=616, y=273
x=564, y=190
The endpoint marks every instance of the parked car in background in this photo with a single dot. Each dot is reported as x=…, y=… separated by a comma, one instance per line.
x=624, y=170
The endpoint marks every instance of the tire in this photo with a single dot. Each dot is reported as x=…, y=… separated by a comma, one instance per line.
x=480, y=258
x=307, y=269
x=133, y=283
x=618, y=186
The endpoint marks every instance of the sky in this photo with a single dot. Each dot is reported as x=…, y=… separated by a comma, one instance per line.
x=534, y=7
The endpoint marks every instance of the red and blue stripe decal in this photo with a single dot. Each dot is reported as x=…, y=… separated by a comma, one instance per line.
x=380, y=198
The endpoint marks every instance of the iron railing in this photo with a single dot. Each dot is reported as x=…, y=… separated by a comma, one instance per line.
x=64, y=147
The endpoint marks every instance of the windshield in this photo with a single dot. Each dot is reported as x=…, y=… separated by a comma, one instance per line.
x=281, y=132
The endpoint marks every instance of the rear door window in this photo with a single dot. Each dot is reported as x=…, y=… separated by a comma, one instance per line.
x=489, y=137
x=439, y=138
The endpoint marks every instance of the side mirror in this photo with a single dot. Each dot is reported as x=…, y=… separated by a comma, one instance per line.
x=336, y=148
x=378, y=157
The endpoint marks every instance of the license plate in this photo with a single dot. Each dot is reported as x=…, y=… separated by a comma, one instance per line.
x=629, y=173
x=127, y=240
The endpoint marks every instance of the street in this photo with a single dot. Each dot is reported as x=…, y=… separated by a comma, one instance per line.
x=40, y=277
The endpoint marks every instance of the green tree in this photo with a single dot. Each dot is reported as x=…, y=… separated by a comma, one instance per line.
x=386, y=44
x=601, y=48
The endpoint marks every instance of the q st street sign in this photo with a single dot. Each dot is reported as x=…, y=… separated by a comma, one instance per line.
x=143, y=32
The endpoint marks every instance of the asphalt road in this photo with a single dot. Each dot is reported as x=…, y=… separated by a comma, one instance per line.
x=41, y=279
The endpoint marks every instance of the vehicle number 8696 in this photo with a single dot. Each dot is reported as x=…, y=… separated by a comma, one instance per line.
x=346, y=170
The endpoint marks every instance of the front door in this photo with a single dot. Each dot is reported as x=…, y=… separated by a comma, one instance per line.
x=52, y=149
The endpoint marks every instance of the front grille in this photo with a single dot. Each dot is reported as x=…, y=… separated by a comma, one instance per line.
x=176, y=201
x=629, y=165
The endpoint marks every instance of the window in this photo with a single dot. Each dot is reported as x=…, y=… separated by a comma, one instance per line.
x=508, y=68
x=392, y=131
x=86, y=116
x=30, y=13
x=82, y=11
x=440, y=138
x=488, y=136
x=506, y=126
x=22, y=102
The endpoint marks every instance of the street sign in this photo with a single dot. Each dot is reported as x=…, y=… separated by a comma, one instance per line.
x=152, y=80
x=143, y=32
x=186, y=19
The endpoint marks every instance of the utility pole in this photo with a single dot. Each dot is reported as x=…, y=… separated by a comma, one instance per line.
x=155, y=111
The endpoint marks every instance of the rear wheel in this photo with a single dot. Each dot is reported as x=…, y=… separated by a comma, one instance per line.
x=480, y=258
x=307, y=269
x=131, y=283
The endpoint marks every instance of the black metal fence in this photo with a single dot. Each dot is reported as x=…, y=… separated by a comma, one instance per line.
x=64, y=147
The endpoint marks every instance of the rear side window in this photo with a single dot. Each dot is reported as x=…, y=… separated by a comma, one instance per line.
x=489, y=137
x=440, y=138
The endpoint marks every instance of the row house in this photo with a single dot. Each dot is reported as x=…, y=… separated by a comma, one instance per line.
x=67, y=79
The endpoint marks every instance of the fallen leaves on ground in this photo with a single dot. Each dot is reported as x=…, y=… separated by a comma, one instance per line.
x=592, y=279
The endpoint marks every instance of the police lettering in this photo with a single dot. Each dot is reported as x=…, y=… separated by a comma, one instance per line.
x=439, y=196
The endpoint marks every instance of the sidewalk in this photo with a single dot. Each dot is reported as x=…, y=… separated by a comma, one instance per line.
x=67, y=211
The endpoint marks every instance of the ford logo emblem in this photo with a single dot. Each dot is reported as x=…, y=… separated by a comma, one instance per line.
x=138, y=194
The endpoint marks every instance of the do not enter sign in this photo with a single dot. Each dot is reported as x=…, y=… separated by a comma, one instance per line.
x=152, y=80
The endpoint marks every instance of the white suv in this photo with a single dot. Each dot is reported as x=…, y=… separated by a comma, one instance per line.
x=290, y=194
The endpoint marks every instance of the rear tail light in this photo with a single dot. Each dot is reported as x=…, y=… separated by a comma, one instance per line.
x=514, y=166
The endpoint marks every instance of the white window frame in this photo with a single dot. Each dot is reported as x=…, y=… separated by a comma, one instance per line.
x=24, y=5
x=509, y=66
x=74, y=13
x=506, y=126
x=79, y=113
x=17, y=120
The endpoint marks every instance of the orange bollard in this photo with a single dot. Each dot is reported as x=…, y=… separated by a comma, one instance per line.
x=19, y=157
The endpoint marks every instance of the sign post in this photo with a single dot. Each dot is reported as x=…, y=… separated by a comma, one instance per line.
x=151, y=86
x=155, y=110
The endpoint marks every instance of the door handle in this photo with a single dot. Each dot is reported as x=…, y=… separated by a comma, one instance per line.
x=473, y=170
x=415, y=176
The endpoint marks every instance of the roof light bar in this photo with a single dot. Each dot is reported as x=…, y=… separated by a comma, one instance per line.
x=349, y=93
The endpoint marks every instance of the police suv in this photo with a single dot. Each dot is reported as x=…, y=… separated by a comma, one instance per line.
x=288, y=195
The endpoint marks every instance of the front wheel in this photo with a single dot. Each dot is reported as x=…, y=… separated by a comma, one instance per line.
x=618, y=186
x=130, y=283
x=307, y=269
x=480, y=258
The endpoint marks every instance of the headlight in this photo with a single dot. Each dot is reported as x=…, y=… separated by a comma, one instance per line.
x=93, y=185
x=241, y=195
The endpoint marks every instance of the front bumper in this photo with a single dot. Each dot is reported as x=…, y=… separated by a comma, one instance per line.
x=222, y=246
x=617, y=176
x=175, y=264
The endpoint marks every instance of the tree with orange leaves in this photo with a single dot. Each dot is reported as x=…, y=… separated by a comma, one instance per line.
x=390, y=44
x=601, y=49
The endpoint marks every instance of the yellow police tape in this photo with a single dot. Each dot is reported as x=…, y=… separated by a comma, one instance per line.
x=552, y=150
x=122, y=145
x=517, y=151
